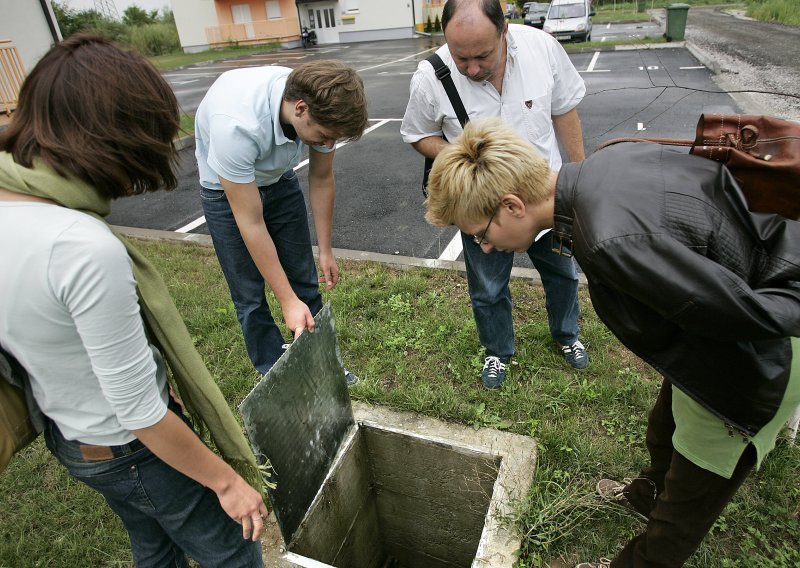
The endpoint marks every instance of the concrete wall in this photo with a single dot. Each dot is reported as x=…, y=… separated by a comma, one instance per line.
x=24, y=22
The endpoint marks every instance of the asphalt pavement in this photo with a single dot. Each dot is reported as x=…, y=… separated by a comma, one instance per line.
x=635, y=91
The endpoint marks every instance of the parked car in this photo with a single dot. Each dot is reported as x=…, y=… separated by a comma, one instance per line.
x=511, y=10
x=525, y=7
x=536, y=14
x=570, y=20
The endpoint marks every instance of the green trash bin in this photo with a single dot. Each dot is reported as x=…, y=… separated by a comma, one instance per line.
x=676, y=21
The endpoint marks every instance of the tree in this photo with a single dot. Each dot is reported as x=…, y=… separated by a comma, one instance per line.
x=437, y=25
x=72, y=21
x=135, y=16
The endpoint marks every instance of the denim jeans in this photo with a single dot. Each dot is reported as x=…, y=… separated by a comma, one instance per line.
x=488, y=276
x=166, y=514
x=285, y=215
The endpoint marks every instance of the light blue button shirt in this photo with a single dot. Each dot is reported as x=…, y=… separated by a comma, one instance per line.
x=238, y=134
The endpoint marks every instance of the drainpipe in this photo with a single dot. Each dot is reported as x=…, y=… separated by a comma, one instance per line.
x=47, y=10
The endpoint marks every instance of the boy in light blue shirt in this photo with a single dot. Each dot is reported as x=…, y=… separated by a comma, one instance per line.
x=251, y=129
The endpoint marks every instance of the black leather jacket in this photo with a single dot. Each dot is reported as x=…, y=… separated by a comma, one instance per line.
x=689, y=280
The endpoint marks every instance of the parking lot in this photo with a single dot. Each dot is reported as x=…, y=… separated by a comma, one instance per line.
x=632, y=92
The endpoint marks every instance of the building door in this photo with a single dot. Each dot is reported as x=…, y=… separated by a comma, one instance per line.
x=241, y=15
x=322, y=19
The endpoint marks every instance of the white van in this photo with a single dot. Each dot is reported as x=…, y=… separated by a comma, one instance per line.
x=570, y=20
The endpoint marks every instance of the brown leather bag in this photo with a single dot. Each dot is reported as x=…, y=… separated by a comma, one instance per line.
x=762, y=153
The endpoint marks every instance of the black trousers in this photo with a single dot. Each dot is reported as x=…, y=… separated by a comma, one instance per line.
x=680, y=499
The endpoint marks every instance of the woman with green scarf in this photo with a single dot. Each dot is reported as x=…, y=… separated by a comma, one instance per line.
x=93, y=324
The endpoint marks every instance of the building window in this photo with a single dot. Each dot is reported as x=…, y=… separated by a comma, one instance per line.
x=273, y=9
x=311, y=19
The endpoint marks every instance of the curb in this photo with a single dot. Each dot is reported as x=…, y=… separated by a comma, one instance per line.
x=396, y=261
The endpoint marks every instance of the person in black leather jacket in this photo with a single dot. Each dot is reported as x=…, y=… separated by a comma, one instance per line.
x=685, y=276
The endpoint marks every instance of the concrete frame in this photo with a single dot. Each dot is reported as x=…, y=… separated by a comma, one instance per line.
x=516, y=455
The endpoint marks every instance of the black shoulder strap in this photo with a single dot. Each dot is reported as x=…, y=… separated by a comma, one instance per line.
x=443, y=74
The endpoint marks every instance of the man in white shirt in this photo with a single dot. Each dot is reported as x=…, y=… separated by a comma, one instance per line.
x=523, y=76
x=251, y=129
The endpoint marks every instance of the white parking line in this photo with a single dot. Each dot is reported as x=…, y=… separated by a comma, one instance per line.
x=397, y=60
x=693, y=67
x=201, y=220
x=591, y=69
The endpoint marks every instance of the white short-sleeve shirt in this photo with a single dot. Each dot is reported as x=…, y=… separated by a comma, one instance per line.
x=540, y=82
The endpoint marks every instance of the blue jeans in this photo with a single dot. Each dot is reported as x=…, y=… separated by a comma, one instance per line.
x=285, y=215
x=166, y=514
x=488, y=276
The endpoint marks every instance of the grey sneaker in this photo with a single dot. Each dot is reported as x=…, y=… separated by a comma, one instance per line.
x=350, y=378
x=494, y=371
x=611, y=491
x=602, y=563
x=575, y=355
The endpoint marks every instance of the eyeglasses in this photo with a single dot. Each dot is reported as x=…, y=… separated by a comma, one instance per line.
x=482, y=239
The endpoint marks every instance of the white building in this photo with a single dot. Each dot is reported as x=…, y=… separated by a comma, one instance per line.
x=28, y=29
x=211, y=23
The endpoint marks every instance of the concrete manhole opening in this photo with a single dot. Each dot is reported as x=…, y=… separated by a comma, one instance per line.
x=395, y=500
x=367, y=487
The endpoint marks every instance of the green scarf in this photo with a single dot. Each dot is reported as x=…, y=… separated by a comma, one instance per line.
x=196, y=387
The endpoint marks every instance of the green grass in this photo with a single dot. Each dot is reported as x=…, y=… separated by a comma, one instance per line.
x=410, y=335
x=176, y=60
x=187, y=124
x=783, y=11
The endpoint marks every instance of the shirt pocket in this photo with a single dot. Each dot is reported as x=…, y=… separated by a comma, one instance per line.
x=536, y=117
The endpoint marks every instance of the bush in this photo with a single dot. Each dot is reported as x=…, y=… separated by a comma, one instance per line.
x=153, y=39
x=429, y=26
x=437, y=25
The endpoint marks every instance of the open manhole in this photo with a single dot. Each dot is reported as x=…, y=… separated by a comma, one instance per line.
x=367, y=487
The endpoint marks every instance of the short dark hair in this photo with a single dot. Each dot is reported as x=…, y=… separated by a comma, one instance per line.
x=95, y=111
x=334, y=94
x=490, y=8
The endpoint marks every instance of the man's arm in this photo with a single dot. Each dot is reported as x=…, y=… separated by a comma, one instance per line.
x=568, y=131
x=245, y=202
x=322, y=195
x=430, y=146
x=177, y=446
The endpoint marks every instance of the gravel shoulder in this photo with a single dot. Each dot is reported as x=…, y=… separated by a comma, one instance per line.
x=746, y=54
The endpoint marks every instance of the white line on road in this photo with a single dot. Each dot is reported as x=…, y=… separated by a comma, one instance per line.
x=640, y=126
x=593, y=61
x=453, y=248
x=694, y=67
x=397, y=60
x=200, y=221
x=591, y=69
x=193, y=225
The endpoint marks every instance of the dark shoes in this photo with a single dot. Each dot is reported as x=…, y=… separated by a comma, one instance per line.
x=350, y=378
x=612, y=492
x=575, y=355
x=494, y=371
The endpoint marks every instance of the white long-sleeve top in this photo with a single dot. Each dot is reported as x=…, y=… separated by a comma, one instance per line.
x=69, y=313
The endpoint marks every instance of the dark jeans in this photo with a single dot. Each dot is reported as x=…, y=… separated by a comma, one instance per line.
x=285, y=215
x=681, y=500
x=488, y=276
x=167, y=515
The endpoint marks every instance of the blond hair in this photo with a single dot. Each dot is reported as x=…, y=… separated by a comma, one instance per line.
x=470, y=176
x=334, y=94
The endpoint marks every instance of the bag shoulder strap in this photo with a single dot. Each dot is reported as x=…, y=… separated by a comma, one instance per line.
x=443, y=74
